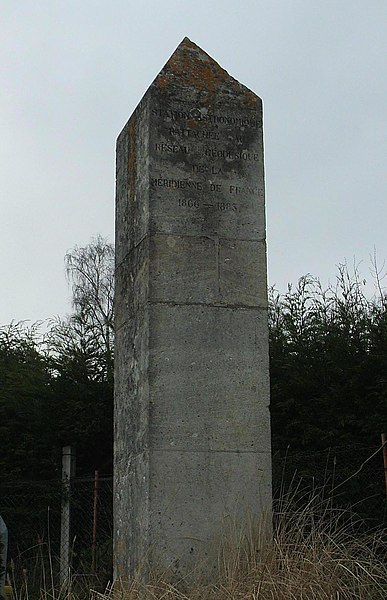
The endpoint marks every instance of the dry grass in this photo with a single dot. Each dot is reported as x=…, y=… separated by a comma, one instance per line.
x=315, y=553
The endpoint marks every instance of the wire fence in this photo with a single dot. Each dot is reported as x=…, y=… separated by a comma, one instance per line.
x=353, y=476
x=32, y=511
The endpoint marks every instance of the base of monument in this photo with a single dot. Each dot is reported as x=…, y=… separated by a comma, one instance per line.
x=241, y=543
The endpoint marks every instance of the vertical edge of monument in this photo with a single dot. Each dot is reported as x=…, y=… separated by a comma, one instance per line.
x=131, y=469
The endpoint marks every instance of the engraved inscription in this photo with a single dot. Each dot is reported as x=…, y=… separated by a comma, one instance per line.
x=204, y=134
x=216, y=158
x=214, y=152
x=221, y=206
x=189, y=184
x=226, y=206
x=188, y=203
x=211, y=170
x=171, y=148
x=237, y=190
x=177, y=184
x=201, y=114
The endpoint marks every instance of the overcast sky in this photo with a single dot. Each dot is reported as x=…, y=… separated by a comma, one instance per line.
x=72, y=72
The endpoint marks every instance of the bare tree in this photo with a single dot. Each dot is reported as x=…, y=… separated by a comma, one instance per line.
x=90, y=272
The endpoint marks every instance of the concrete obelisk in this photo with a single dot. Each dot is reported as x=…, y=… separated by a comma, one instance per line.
x=192, y=431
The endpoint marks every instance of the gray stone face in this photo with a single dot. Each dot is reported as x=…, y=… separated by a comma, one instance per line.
x=192, y=432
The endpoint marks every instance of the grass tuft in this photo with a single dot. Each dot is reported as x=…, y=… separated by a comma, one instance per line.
x=315, y=552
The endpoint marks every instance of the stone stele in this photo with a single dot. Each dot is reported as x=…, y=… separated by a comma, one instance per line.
x=192, y=427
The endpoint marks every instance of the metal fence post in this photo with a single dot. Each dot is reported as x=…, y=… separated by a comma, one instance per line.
x=384, y=450
x=95, y=517
x=68, y=472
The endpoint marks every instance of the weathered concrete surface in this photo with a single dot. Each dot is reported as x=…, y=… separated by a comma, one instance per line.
x=192, y=433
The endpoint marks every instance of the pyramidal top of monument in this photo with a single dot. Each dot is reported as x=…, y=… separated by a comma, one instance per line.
x=191, y=70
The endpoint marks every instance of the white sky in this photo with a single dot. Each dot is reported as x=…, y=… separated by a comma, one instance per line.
x=72, y=72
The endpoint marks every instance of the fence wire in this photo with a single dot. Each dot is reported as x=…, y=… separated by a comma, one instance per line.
x=353, y=476
x=32, y=512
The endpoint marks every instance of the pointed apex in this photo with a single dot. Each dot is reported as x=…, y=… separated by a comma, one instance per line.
x=187, y=42
x=191, y=68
